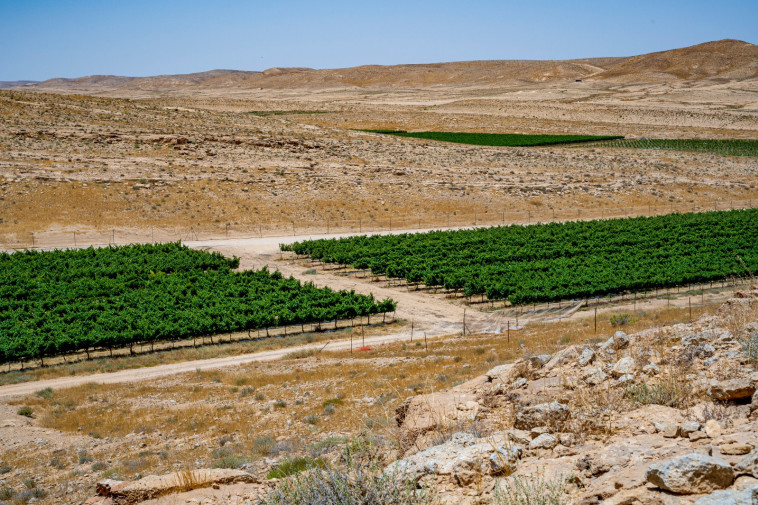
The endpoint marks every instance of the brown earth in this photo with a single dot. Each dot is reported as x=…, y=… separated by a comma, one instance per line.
x=195, y=160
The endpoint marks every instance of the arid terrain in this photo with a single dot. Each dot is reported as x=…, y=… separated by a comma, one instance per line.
x=235, y=161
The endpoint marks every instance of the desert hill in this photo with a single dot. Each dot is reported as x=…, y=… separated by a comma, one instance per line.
x=723, y=59
x=720, y=60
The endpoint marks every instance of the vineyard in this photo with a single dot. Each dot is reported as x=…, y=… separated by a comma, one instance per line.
x=497, y=139
x=558, y=261
x=59, y=302
x=726, y=147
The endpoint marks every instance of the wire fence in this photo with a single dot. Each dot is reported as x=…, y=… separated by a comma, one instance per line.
x=146, y=233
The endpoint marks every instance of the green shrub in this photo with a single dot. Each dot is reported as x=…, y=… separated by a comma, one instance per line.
x=622, y=319
x=46, y=393
x=26, y=412
x=750, y=346
x=294, y=466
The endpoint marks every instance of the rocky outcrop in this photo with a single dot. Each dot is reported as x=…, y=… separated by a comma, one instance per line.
x=545, y=414
x=464, y=458
x=691, y=474
x=154, y=486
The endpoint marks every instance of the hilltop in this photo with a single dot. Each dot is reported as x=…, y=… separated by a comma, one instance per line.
x=720, y=60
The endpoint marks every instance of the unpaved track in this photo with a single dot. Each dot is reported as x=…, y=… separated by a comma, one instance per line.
x=139, y=374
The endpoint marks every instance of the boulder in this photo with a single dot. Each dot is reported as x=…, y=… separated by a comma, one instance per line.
x=624, y=366
x=746, y=496
x=463, y=458
x=501, y=372
x=734, y=389
x=594, y=376
x=544, y=441
x=587, y=357
x=712, y=428
x=749, y=464
x=691, y=474
x=735, y=449
x=563, y=357
x=688, y=427
x=620, y=340
x=754, y=401
x=544, y=414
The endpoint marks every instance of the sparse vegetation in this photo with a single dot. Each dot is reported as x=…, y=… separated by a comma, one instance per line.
x=534, y=490
x=497, y=139
x=354, y=487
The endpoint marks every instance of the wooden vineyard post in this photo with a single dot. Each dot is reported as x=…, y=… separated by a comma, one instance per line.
x=464, y=322
x=426, y=346
x=689, y=301
x=74, y=239
x=509, y=331
x=596, y=315
x=351, y=342
x=363, y=337
x=411, y=331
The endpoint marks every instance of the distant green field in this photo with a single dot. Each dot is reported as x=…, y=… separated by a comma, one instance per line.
x=496, y=139
x=727, y=147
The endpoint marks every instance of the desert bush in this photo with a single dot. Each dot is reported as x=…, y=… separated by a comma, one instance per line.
x=46, y=393
x=322, y=446
x=622, y=319
x=26, y=412
x=311, y=419
x=280, y=404
x=533, y=490
x=84, y=457
x=324, y=486
x=230, y=461
x=7, y=493
x=99, y=466
x=264, y=446
x=670, y=390
x=749, y=345
x=294, y=466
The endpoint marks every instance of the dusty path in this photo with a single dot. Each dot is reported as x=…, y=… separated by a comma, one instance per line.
x=139, y=374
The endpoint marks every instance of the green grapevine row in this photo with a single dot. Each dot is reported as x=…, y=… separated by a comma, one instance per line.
x=497, y=139
x=729, y=147
x=64, y=301
x=558, y=261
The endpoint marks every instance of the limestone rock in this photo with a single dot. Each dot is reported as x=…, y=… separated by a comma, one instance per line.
x=594, y=376
x=746, y=496
x=712, y=428
x=543, y=414
x=620, y=340
x=734, y=389
x=691, y=474
x=688, y=427
x=155, y=486
x=587, y=357
x=749, y=464
x=463, y=458
x=735, y=449
x=562, y=358
x=544, y=441
x=624, y=366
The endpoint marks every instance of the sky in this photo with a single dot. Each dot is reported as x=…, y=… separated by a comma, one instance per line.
x=42, y=39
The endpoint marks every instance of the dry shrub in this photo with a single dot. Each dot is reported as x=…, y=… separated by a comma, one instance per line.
x=593, y=410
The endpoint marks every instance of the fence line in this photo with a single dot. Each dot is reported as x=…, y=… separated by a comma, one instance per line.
x=492, y=217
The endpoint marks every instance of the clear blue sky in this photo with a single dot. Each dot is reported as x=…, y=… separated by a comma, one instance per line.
x=40, y=39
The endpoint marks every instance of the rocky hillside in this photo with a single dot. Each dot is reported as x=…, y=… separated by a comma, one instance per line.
x=664, y=416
